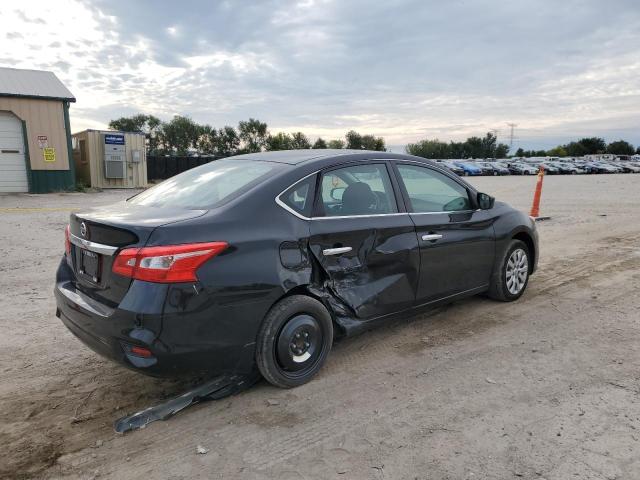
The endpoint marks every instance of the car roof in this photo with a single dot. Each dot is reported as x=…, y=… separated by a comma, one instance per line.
x=296, y=157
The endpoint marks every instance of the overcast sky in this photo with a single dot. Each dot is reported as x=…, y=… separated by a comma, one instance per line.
x=404, y=70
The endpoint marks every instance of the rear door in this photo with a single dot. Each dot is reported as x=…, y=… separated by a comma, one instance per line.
x=364, y=241
x=457, y=241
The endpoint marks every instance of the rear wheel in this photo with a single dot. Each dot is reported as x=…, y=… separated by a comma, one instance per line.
x=294, y=341
x=512, y=273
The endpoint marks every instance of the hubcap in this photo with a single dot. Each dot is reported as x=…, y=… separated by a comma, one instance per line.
x=517, y=271
x=299, y=343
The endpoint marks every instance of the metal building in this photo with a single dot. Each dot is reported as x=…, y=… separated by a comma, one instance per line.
x=35, y=137
x=110, y=159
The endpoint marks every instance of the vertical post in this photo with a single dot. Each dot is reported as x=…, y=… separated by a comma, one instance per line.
x=535, y=207
x=67, y=127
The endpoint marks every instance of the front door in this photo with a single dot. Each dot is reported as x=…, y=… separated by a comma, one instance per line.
x=366, y=246
x=457, y=242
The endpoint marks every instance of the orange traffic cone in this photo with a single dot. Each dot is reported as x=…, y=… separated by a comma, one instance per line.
x=535, y=207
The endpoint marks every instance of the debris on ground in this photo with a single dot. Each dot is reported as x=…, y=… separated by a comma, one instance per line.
x=201, y=450
x=214, y=389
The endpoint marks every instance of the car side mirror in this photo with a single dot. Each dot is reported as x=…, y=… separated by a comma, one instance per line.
x=336, y=193
x=485, y=202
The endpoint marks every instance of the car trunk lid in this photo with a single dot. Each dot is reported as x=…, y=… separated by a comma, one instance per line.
x=98, y=234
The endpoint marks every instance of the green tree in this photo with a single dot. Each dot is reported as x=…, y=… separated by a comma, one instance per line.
x=457, y=150
x=179, y=135
x=147, y=124
x=520, y=152
x=279, y=141
x=299, y=141
x=558, y=151
x=207, y=141
x=575, y=149
x=474, y=147
x=354, y=140
x=227, y=142
x=370, y=142
x=593, y=145
x=489, y=146
x=135, y=123
x=429, y=149
x=336, y=144
x=502, y=150
x=253, y=134
x=620, y=147
x=319, y=144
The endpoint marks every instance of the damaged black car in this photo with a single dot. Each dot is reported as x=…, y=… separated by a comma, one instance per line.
x=260, y=261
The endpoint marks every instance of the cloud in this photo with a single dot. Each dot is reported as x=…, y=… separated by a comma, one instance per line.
x=402, y=69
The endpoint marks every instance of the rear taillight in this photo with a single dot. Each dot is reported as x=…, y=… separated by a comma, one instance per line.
x=67, y=240
x=166, y=264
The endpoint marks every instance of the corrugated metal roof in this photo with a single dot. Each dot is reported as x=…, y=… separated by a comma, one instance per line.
x=32, y=83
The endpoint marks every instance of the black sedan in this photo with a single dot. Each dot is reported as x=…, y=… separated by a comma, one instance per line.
x=489, y=168
x=261, y=260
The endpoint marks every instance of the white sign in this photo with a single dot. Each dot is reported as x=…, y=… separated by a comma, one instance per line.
x=43, y=142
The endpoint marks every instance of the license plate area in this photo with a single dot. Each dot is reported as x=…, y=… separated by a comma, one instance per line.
x=89, y=265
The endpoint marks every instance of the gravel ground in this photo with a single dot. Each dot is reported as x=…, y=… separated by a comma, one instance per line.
x=546, y=387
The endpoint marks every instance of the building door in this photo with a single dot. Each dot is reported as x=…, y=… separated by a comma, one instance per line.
x=13, y=168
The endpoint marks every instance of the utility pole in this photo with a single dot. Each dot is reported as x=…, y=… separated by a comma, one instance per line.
x=512, y=125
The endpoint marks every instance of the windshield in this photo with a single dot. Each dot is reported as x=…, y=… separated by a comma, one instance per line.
x=207, y=186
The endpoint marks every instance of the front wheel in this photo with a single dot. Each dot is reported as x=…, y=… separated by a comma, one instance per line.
x=294, y=341
x=511, y=277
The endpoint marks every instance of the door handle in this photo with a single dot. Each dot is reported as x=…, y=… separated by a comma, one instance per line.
x=336, y=251
x=430, y=237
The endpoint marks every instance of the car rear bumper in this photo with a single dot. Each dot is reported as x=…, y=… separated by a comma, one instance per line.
x=178, y=344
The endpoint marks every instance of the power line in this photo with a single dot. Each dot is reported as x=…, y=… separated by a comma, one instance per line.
x=512, y=125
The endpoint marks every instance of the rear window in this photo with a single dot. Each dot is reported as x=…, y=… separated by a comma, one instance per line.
x=207, y=186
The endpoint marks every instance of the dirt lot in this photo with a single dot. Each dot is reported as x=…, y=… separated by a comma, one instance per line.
x=547, y=387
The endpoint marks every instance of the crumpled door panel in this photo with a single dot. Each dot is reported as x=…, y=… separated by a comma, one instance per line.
x=379, y=276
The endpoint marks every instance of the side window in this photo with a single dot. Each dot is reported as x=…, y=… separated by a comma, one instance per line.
x=357, y=190
x=431, y=191
x=299, y=197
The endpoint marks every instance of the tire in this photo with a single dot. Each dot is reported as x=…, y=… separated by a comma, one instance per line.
x=500, y=288
x=466, y=174
x=294, y=341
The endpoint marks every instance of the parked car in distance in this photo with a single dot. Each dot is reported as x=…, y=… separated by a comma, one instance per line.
x=468, y=168
x=493, y=168
x=618, y=168
x=452, y=166
x=519, y=168
x=600, y=167
x=548, y=168
x=631, y=167
x=564, y=167
x=259, y=260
